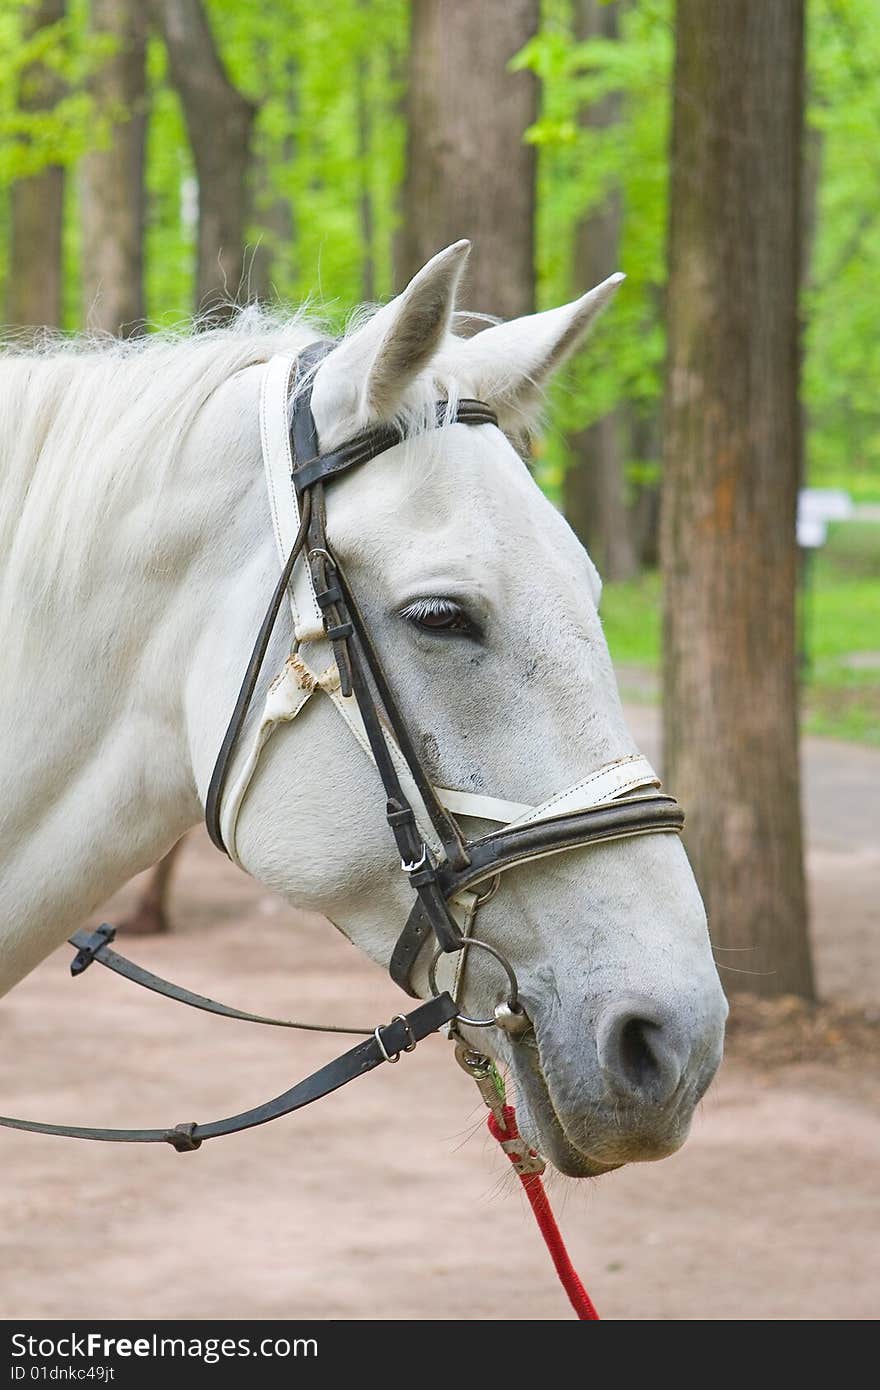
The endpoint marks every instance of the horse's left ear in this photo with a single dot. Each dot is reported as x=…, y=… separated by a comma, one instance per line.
x=508, y=365
x=364, y=379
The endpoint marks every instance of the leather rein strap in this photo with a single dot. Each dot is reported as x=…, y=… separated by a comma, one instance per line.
x=382, y=1045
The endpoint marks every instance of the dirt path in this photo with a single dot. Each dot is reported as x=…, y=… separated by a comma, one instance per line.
x=770, y=1211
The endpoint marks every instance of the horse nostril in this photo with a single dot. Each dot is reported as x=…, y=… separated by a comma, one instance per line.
x=637, y=1057
x=637, y=1053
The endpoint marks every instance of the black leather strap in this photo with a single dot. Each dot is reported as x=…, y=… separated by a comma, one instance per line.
x=450, y=835
x=407, y=949
x=374, y=441
x=396, y=1037
x=510, y=846
x=95, y=946
x=345, y=626
x=362, y=673
x=249, y=685
x=341, y=618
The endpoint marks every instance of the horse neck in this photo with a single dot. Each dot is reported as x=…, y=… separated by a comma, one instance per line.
x=96, y=778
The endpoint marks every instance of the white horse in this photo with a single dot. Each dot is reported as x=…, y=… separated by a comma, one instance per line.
x=137, y=559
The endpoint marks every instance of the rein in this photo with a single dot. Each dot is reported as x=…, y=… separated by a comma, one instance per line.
x=383, y=1045
x=451, y=875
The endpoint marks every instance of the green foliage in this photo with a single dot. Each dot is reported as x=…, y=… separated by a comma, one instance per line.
x=327, y=81
x=631, y=612
x=329, y=137
x=58, y=58
x=841, y=622
x=170, y=244
x=580, y=166
x=842, y=365
x=329, y=140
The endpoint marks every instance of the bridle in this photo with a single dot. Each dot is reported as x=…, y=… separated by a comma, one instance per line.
x=451, y=875
x=444, y=867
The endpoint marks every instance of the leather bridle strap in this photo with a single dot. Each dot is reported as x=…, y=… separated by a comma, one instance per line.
x=414, y=858
x=310, y=469
x=448, y=831
x=343, y=623
x=401, y=1035
x=95, y=946
x=372, y=442
x=362, y=665
x=519, y=844
x=360, y=669
x=249, y=685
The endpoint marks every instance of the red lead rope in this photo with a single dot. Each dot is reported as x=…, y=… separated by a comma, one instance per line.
x=540, y=1203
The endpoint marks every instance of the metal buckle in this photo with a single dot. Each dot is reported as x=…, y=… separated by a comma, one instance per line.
x=410, y=1046
x=416, y=863
x=402, y=1018
x=319, y=550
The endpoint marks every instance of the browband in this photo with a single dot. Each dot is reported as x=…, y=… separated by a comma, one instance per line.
x=375, y=440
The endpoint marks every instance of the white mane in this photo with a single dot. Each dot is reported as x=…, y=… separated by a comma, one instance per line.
x=87, y=420
x=87, y=424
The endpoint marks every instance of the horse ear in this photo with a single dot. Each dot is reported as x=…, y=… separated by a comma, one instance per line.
x=509, y=364
x=365, y=377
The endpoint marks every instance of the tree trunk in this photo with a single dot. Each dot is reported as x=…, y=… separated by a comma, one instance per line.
x=594, y=490
x=731, y=469
x=595, y=482
x=645, y=448
x=272, y=213
x=468, y=171
x=219, y=121
x=276, y=230
x=113, y=197
x=34, y=287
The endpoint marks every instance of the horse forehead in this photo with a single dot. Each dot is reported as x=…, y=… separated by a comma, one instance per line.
x=465, y=496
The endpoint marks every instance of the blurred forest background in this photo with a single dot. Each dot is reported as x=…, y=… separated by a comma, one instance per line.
x=325, y=89
x=311, y=178
x=160, y=158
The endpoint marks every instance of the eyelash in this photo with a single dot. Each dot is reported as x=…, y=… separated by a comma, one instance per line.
x=421, y=610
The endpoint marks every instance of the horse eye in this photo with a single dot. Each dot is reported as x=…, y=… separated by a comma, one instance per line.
x=437, y=615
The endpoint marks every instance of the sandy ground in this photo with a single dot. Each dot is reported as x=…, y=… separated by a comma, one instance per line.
x=387, y=1201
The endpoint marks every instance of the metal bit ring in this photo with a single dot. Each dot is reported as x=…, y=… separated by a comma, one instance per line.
x=465, y=945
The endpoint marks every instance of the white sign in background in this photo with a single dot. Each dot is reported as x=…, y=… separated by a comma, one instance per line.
x=816, y=507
